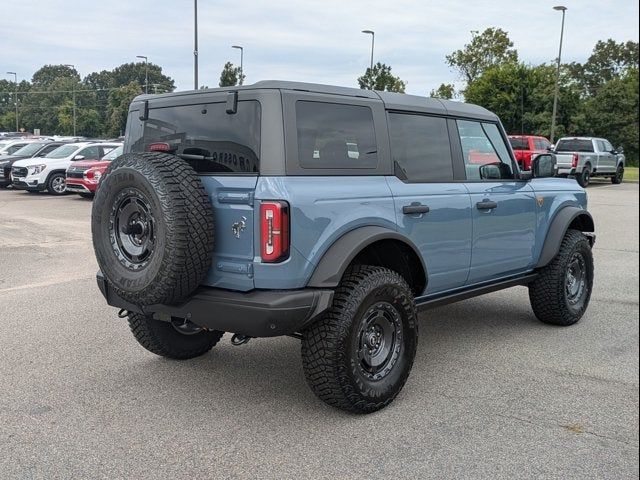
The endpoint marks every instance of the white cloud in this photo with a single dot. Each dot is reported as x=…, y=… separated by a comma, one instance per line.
x=296, y=40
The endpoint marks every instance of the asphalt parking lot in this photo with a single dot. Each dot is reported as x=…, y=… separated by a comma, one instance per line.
x=493, y=393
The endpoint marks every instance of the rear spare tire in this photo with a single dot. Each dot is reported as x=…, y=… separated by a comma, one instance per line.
x=152, y=228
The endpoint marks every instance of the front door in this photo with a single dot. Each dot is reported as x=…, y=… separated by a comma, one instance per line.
x=504, y=208
x=432, y=209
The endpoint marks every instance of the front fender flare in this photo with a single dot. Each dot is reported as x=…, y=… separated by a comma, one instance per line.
x=338, y=257
x=558, y=229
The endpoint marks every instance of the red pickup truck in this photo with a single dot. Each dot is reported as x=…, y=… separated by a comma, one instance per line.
x=524, y=146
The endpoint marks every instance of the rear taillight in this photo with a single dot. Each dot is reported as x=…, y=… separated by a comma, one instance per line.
x=159, y=147
x=574, y=162
x=274, y=231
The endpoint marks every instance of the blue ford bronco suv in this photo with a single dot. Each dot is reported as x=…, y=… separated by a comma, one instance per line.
x=333, y=215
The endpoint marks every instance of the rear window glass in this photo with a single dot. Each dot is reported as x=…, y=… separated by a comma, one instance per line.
x=519, y=143
x=206, y=136
x=420, y=146
x=574, y=145
x=332, y=135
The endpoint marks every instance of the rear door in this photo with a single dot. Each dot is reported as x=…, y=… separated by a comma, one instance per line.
x=432, y=209
x=504, y=208
x=224, y=148
x=606, y=159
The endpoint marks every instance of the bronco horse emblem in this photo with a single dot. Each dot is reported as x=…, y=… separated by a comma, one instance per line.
x=239, y=227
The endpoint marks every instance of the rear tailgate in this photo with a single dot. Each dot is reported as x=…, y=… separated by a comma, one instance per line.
x=232, y=198
x=565, y=161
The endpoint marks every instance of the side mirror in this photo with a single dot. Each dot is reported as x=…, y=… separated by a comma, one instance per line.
x=544, y=165
x=620, y=149
x=493, y=171
x=79, y=157
x=550, y=148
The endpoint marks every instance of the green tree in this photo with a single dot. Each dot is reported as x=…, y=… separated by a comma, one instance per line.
x=522, y=96
x=487, y=49
x=613, y=113
x=445, y=91
x=118, y=107
x=380, y=78
x=608, y=61
x=135, y=72
x=230, y=76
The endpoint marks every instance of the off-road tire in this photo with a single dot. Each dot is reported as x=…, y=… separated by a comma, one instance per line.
x=163, y=339
x=181, y=213
x=584, y=178
x=54, y=177
x=548, y=292
x=329, y=346
x=619, y=176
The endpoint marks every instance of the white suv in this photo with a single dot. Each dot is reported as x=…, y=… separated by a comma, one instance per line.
x=48, y=173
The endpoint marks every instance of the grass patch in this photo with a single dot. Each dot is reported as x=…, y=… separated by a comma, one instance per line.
x=631, y=173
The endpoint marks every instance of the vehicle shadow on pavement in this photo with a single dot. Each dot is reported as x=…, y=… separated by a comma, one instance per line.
x=268, y=372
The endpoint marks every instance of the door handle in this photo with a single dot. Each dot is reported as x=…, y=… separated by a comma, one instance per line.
x=415, y=207
x=486, y=205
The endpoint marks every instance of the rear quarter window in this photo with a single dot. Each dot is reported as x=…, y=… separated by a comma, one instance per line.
x=206, y=136
x=335, y=136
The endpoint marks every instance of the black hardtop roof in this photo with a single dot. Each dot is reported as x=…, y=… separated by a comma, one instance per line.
x=391, y=100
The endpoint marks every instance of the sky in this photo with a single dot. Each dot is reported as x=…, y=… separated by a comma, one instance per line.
x=312, y=41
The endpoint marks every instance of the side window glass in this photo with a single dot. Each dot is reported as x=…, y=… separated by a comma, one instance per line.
x=48, y=149
x=486, y=156
x=607, y=146
x=105, y=150
x=332, y=135
x=90, y=153
x=420, y=146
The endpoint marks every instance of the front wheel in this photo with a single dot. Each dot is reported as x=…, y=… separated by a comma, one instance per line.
x=57, y=184
x=617, y=178
x=178, y=339
x=359, y=355
x=561, y=292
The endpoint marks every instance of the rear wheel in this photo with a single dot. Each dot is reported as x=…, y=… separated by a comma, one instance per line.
x=57, y=184
x=359, y=355
x=585, y=176
x=178, y=339
x=617, y=178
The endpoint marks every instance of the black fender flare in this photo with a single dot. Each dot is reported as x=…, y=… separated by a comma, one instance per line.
x=558, y=229
x=338, y=257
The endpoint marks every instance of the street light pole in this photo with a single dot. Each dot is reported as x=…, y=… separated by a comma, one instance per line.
x=195, y=44
x=557, y=87
x=15, y=81
x=74, y=100
x=241, y=61
x=146, y=73
x=373, y=38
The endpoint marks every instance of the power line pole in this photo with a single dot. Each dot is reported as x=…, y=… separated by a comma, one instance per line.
x=15, y=81
x=373, y=38
x=74, y=100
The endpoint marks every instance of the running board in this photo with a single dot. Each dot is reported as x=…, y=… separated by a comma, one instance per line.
x=424, y=303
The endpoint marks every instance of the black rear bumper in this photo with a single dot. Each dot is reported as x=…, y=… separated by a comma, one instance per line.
x=259, y=313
